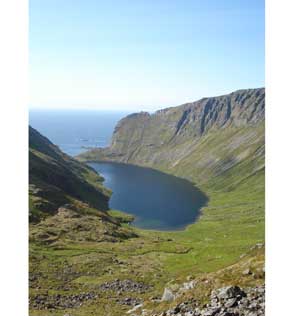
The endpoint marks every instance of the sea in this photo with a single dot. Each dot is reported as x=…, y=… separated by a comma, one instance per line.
x=75, y=131
x=157, y=200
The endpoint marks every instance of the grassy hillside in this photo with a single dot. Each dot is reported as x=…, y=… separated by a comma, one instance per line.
x=67, y=200
x=222, y=152
x=214, y=142
x=55, y=179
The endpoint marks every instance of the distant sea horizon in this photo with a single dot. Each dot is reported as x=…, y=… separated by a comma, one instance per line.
x=75, y=131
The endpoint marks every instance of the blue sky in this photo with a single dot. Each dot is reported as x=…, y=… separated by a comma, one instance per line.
x=142, y=55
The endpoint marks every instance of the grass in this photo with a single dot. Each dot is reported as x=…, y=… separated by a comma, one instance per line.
x=229, y=226
x=214, y=250
x=121, y=216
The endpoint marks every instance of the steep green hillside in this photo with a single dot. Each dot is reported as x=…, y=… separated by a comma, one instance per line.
x=66, y=198
x=55, y=178
x=217, y=143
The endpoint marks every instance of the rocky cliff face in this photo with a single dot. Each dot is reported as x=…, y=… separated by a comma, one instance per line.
x=198, y=141
x=239, y=109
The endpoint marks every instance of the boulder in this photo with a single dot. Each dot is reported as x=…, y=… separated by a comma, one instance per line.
x=231, y=302
x=167, y=296
x=230, y=292
x=247, y=272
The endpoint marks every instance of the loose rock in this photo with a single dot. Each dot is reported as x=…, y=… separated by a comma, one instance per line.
x=168, y=296
x=226, y=301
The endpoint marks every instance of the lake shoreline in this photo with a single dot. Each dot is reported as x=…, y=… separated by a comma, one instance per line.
x=178, y=202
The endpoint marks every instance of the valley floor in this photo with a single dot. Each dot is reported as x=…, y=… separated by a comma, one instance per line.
x=111, y=277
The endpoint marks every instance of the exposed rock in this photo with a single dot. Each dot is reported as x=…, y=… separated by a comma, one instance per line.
x=229, y=292
x=226, y=301
x=134, y=308
x=167, y=296
x=188, y=285
x=174, y=137
x=231, y=302
x=247, y=272
x=124, y=286
x=130, y=301
x=58, y=301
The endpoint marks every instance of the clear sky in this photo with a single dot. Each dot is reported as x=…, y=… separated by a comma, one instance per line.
x=142, y=54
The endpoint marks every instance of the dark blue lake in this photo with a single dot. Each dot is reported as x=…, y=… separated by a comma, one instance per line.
x=157, y=200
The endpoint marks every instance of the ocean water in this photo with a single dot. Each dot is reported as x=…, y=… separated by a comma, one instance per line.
x=157, y=200
x=74, y=131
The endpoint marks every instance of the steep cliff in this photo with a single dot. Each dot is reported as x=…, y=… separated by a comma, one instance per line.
x=217, y=143
x=205, y=141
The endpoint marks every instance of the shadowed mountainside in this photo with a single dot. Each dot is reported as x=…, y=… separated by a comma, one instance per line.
x=55, y=178
x=67, y=200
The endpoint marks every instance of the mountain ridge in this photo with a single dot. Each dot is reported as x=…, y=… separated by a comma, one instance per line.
x=80, y=262
x=198, y=141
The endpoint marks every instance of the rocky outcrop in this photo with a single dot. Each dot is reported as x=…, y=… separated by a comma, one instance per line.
x=167, y=296
x=227, y=301
x=242, y=108
x=124, y=286
x=199, y=141
x=58, y=301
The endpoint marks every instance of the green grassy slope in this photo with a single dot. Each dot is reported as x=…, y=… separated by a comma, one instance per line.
x=55, y=179
x=226, y=160
x=218, y=144
x=67, y=200
x=214, y=142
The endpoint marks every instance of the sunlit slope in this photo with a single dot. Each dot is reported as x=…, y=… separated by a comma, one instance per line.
x=220, y=150
x=215, y=142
